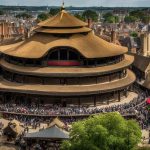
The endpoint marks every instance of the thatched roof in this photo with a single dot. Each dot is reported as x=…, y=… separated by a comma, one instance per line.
x=90, y=46
x=57, y=122
x=14, y=128
x=147, y=81
x=4, y=122
x=63, y=20
x=45, y=39
x=18, y=129
x=142, y=63
x=63, y=30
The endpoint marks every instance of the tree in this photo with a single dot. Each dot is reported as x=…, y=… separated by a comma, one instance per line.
x=1, y=12
x=116, y=19
x=108, y=131
x=134, y=34
x=54, y=11
x=137, y=14
x=145, y=19
x=106, y=15
x=43, y=16
x=130, y=19
x=77, y=15
x=110, y=18
x=90, y=14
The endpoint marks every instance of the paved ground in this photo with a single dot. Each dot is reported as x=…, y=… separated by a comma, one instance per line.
x=145, y=136
x=6, y=146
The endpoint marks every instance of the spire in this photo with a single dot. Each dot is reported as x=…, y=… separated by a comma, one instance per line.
x=63, y=6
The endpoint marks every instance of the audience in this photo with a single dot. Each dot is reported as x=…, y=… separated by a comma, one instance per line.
x=34, y=115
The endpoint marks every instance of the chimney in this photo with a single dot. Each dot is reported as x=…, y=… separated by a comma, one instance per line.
x=101, y=31
x=113, y=36
x=148, y=44
x=89, y=22
x=144, y=43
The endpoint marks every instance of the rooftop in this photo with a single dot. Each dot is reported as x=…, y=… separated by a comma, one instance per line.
x=80, y=38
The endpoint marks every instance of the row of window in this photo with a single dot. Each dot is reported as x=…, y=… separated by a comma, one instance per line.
x=63, y=81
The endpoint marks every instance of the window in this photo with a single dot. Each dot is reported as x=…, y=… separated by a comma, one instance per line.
x=73, y=55
x=54, y=55
x=63, y=53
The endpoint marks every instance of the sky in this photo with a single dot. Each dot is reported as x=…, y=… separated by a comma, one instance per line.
x=86, y=3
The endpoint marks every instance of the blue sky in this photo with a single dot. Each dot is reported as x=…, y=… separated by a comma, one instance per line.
x=111, y=3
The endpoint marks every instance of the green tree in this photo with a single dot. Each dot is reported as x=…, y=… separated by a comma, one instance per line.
x=130, y=19
x=137, y=14
x=54, y=11
x=116, y=19
x=145, y=19
x=103, y=132
x=1, y=12
x=110, y=18
x=106, y=15
x=134, y=34
x=77, y=15
x=43, y=16
x=90, y=14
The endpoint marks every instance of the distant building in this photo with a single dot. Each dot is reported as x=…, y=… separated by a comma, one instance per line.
x=145, y=44
x=5, y=29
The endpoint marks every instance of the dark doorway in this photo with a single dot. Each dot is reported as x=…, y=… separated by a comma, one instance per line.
x=64, y=103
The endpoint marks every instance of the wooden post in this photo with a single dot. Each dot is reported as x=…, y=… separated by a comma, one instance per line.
x=107, y=101
x=126, y=92
x=95, y=101
x=58, y=55
x=67, y=55
x=109, y=78
x=79, y=101
x=43, y=80
x=119, y=98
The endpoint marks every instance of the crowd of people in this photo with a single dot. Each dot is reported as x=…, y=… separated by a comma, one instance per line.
x=58, y=110
x=33, y=115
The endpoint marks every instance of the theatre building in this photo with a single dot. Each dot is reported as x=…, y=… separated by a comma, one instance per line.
x=64, y=63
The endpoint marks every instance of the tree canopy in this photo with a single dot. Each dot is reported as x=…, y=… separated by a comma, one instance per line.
x=103, y=132
x=110, y=18
x=1, y=12
x=130, y=19
x=137, y=15
x=134, y=34
x=43, y=16
x=79, y=16
x=90, y=14
x=54, y=11
x=145, y=19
